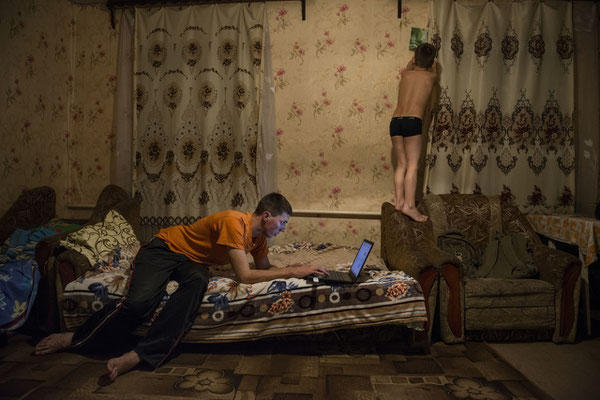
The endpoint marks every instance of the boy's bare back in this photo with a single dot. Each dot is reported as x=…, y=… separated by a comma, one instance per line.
x=414, y=89
x=406, y=127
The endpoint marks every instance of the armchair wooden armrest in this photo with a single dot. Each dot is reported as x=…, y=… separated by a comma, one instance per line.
x=411, y=247
x=562, y=270
x=553, y=264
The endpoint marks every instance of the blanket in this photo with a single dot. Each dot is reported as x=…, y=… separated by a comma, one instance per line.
x=19, y=276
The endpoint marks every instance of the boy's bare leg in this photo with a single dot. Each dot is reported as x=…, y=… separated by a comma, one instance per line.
x=399, y=170
x=120, y=365
x=54, y=343
x=412, y=147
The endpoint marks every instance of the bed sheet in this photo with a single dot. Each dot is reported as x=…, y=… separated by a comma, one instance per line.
x=232, y=311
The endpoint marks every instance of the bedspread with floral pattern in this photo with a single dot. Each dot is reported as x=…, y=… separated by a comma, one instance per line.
x=233, y=311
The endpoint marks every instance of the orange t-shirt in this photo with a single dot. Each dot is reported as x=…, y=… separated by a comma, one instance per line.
x=206, y=240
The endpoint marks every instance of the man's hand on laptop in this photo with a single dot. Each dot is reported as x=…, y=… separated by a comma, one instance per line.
x=303, y=270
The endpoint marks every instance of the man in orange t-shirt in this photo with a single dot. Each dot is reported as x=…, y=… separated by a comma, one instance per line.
x=182, y=253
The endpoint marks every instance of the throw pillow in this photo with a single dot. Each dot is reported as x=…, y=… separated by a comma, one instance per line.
x=120, y=258
x=99, y=240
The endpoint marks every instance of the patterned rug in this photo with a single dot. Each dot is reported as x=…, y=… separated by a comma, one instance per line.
x=278, y=370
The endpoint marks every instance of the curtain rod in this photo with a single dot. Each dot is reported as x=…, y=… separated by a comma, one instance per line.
x=113, y=4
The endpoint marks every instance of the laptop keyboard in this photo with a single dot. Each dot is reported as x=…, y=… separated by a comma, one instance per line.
x=339, y=275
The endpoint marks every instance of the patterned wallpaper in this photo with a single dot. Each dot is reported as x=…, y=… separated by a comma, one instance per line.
x=336, y=77
x=58, y=87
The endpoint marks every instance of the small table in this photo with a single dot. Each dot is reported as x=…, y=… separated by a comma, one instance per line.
x=580, y=231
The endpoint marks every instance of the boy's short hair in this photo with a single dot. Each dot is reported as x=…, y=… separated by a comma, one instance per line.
x=275, y=203
x=424, y=55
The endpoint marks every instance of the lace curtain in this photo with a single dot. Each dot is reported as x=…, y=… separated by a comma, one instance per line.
x=200, y=140
x=504, y=120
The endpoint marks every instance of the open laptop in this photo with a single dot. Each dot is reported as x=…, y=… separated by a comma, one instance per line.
x=351, y=276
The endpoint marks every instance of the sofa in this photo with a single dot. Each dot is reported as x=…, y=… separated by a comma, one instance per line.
x=540, y=307
x=384, y=305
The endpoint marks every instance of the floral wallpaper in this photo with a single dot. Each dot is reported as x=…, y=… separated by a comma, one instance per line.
x=57, y=92
x=336, y=76
x=335, y=92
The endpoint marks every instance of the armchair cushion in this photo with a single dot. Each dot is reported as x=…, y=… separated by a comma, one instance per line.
x=507, y=304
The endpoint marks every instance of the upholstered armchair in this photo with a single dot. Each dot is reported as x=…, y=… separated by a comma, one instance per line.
x=64, y=265
x=542, y=307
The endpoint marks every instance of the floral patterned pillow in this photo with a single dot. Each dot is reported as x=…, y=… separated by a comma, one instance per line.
x=99, y=240
x=119, y=259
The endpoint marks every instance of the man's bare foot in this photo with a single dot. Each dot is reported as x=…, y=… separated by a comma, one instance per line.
x=120, y=365
x=414, y=214
x=399, y=205
x=54, y=343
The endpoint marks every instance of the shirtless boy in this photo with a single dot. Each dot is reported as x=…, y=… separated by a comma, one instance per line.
x=414, y=90
x=182, y=253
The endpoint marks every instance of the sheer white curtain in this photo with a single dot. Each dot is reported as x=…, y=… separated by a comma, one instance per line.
x=121, y=156
x=504, y=122
x=203, y=111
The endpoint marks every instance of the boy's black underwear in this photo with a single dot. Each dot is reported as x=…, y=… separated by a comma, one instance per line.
x=406, y=126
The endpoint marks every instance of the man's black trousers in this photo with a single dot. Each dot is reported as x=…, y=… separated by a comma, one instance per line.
x=154, y=266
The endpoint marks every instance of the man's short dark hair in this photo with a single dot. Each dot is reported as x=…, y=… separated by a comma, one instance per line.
x=424, y=55
x=275, y=203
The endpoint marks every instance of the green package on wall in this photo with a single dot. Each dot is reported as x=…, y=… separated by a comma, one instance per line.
x=417, y=36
